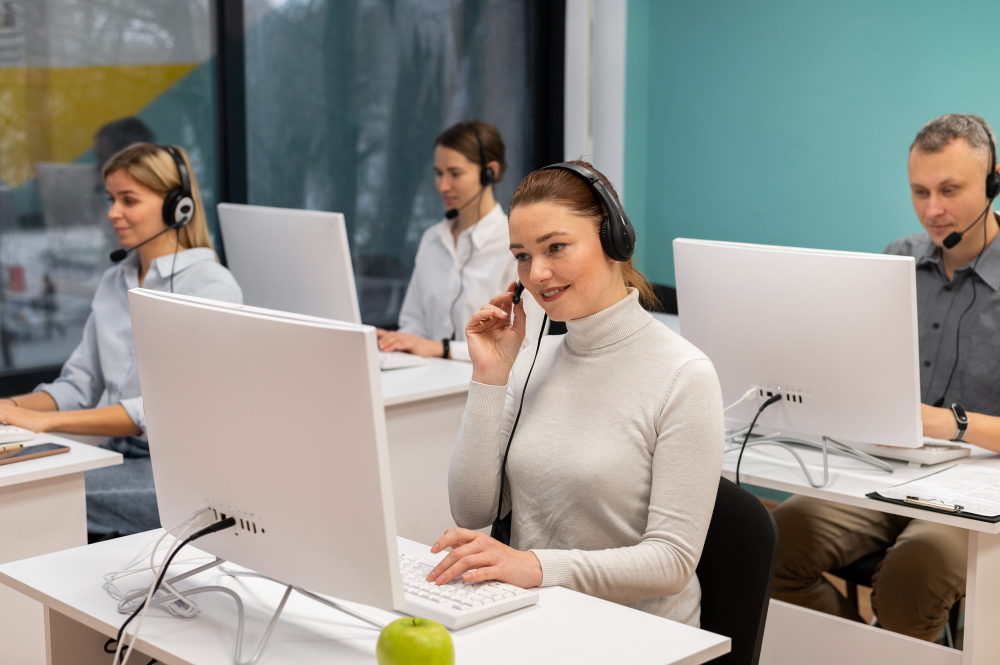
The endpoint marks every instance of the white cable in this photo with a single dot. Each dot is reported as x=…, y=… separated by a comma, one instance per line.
x=747, y=395
x=184, y=526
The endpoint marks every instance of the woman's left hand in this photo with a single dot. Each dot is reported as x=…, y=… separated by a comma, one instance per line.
x=36, y=421
x=490, y=559
x=390, y=340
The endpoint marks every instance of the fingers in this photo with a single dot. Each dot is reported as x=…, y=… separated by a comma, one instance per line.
x=488, y=318
x=395, y=341
x=456, y=555
x=465, y=564
x=452, y=537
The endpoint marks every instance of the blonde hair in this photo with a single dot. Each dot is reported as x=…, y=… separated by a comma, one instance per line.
x=566, y=189
x=153, y=167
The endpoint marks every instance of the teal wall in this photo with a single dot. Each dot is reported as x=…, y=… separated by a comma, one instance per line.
x=788, y=122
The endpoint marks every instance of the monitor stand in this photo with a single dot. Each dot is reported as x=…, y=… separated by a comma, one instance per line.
x=826, y=445
x=934, y=451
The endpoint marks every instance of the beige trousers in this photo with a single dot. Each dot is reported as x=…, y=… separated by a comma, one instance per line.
x=921, y=577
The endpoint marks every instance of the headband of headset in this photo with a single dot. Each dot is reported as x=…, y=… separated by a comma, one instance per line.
x=486, y=174
x=617, y=235
x=992, y=178
x=178, y=205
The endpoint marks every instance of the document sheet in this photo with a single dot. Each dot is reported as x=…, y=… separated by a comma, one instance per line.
x=966, y=488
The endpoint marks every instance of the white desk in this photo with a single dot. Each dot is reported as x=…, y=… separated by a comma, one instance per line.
x=42, y=509
x=795, y=635
x=423, y=411
x=565, y=627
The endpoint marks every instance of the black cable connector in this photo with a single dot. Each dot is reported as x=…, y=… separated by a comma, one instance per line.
x=771, y=400
x=211, y=528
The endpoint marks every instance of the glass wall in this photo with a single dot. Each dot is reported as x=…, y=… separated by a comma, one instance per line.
x=80, y=79
x=344, y=101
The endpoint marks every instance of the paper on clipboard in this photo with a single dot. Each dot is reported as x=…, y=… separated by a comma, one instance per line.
x=969, y=488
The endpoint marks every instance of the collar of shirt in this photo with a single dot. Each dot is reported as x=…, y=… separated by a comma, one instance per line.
x=481, y=232
x=162, y=266
x=988, y=268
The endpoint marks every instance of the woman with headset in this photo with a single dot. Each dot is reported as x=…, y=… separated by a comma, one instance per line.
x=610, y=481
x=464, y=258
x=157, y=214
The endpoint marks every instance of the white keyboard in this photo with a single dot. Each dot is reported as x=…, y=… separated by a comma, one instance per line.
x=398, y=360
x=458, y=603
x=13, y=434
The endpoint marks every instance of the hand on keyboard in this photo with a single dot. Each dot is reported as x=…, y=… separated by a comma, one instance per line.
x=33, y=421
x=477, y=557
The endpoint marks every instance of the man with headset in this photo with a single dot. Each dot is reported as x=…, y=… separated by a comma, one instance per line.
x=953, y=180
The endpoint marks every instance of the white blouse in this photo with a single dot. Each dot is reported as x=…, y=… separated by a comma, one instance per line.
x=453, y=280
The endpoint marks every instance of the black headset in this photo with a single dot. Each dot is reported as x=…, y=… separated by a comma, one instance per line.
x=992, y=178
x=617, y=235
x=178, y=205
x=486, y=175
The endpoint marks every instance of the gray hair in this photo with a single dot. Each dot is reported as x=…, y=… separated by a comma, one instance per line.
x=939, y=132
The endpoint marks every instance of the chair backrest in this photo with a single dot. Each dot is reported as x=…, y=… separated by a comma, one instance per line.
x=736, y=571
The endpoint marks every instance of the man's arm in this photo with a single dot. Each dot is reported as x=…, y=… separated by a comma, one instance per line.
x=983, y=430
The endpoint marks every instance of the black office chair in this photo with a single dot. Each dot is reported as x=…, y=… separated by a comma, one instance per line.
x=736, y=571
x=861, y=572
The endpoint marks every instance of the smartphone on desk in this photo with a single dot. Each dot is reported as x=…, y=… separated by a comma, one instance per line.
x=31, y=452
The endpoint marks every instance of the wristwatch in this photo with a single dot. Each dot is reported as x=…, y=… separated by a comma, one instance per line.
x=961, y=419
x=446, y=343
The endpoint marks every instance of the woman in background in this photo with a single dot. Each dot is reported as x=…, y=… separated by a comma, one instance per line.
x=463, y=259
x=158, y=217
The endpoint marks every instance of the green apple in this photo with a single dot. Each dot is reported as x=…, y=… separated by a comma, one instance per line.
x=415, y=642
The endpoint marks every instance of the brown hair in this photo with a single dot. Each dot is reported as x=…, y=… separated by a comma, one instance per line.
x=566, y=189
x=461, y=137
x=153, y=167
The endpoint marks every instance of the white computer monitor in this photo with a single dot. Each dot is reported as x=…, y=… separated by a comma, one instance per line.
x=244, y=418
x=835, y=332
x=291, y=260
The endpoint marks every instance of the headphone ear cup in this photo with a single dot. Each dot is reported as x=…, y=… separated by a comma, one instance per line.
x=993, y=185
x=487, y=177
x=606, y=243
x=178, y=209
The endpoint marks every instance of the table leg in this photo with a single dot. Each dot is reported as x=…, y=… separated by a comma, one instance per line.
x=421, y=436
x=982, y=603
x=36, y=518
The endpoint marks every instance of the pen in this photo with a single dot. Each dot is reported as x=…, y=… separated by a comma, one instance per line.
x=10, y=446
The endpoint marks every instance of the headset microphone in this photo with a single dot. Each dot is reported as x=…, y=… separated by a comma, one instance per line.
x=517, y=292
x=120, y=254
x=955, y=237
x=452, y=213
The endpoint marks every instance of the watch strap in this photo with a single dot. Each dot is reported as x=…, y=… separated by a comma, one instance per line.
x=961, y=421
x=446, y=344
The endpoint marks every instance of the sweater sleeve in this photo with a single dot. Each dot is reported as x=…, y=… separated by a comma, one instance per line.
x=687, y=462
x=474, y=474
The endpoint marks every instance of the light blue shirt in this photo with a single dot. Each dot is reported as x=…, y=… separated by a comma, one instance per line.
x=102, y=370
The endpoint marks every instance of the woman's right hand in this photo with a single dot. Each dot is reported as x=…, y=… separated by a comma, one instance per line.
x=493, y=342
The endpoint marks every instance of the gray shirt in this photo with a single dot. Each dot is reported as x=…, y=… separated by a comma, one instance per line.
x=102, y=370
x=940, y=303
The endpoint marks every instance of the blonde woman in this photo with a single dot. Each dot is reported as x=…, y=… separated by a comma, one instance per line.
x=158, y=217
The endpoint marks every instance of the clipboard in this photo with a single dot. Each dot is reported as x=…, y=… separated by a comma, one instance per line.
x=912, y=494
x=929, y=504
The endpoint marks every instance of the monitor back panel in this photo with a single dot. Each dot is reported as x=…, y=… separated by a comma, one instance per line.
x=291, y=260
x=836, y=332
x=280, y=424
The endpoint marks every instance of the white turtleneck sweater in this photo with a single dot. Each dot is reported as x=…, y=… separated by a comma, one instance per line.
x=614, y=466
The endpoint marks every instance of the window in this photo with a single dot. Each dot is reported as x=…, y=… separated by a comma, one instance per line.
x=344, y=101
x=68, y=68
